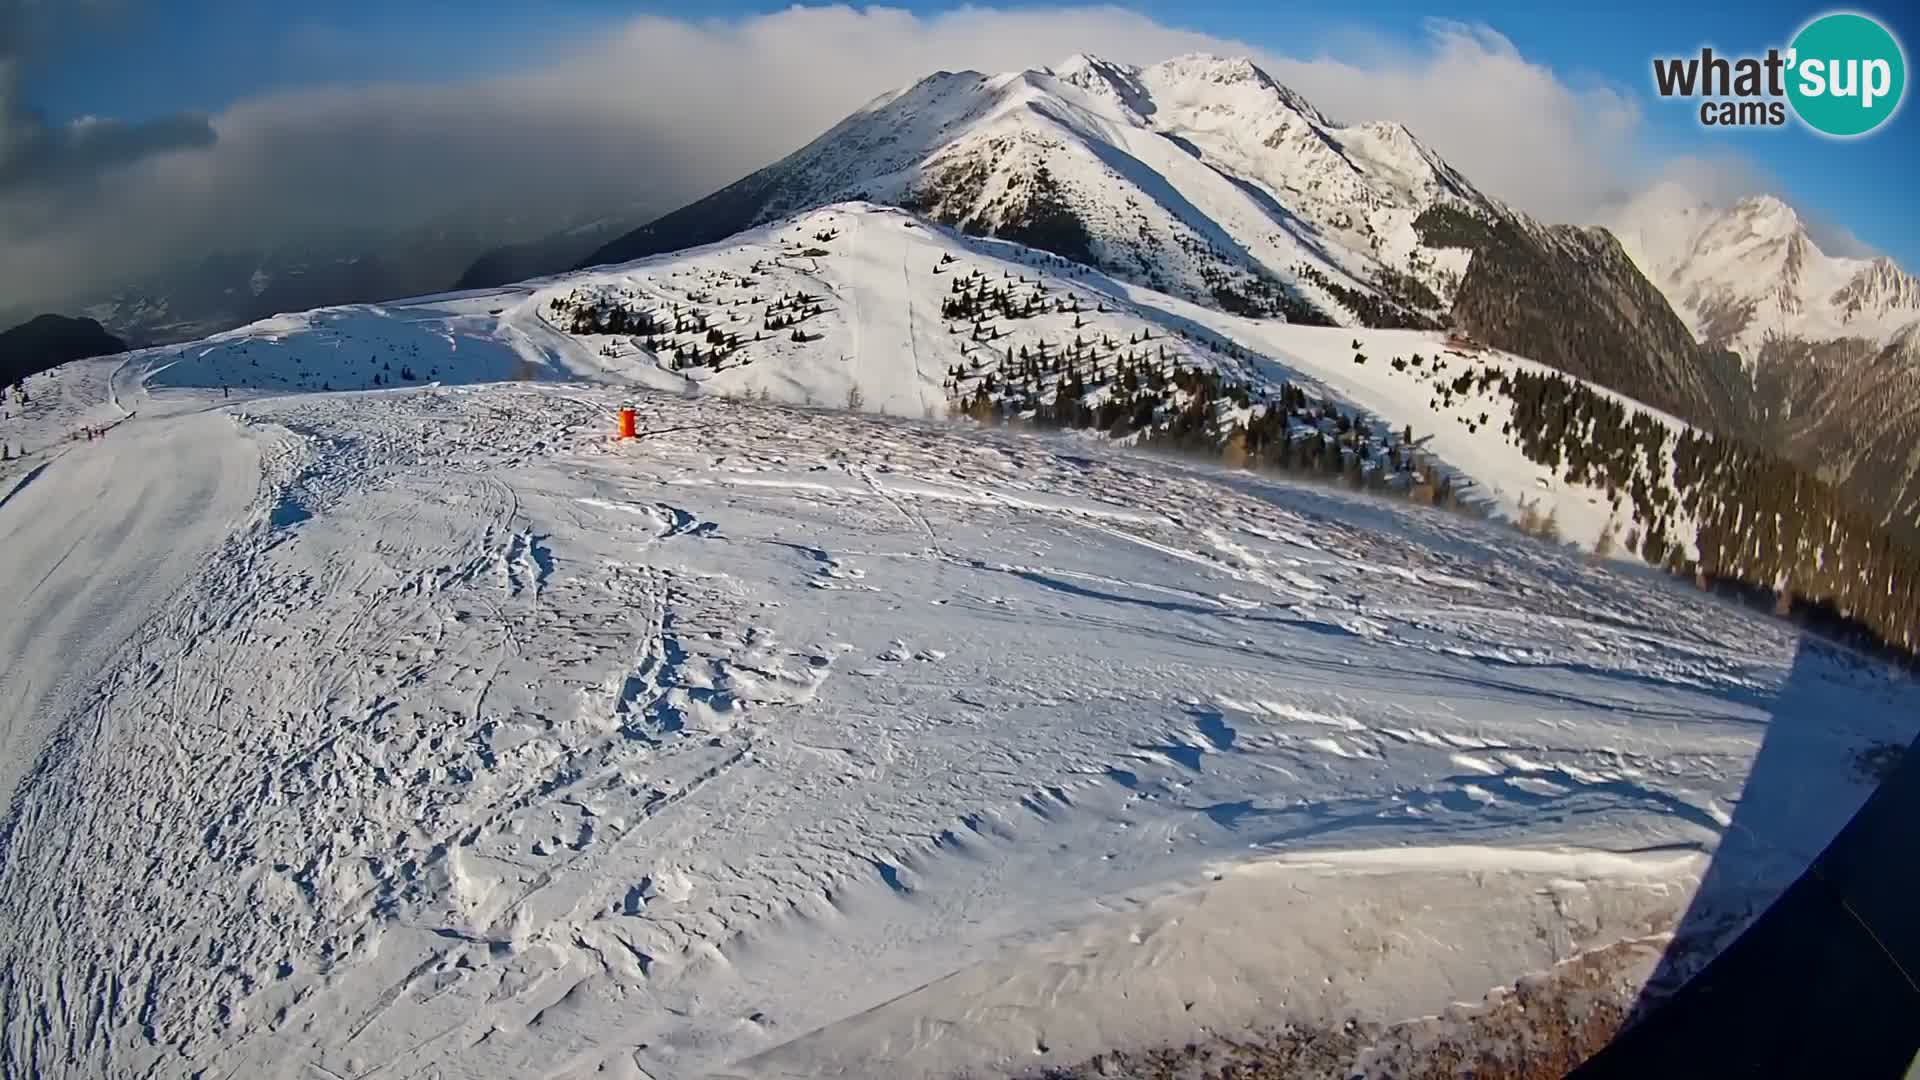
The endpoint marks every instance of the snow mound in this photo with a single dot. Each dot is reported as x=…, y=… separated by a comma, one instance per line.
x=453, y=339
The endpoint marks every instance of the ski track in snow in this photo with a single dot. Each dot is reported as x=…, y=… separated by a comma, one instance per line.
x=485, y=746
x=82, y=530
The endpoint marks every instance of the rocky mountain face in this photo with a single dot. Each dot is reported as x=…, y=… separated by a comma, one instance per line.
x=1751, y=273
x=1829, y=345
x=1572, y=298
x=47, y=341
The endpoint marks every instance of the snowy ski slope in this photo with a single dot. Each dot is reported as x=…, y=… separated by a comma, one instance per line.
x=417, y=728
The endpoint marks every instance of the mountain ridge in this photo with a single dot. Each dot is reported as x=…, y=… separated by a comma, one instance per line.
x=1829, y=345
x=47, y=341
x=1201, y=176
x=1205, y=177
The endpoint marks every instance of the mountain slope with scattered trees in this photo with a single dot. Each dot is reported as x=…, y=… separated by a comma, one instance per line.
x=868, y=307
x=1849, y=410
x=1571, y=298
x=1205, y=179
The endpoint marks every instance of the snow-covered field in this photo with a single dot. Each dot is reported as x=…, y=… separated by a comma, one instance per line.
x=449, y=737
x=368, y=711
x=59, y=406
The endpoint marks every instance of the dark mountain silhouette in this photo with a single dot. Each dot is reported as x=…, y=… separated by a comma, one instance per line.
x=1571, y=298
x=511, y=263
x=49, y=341
x=709, y=220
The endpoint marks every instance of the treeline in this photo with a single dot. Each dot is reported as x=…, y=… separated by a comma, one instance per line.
x=1256, y=297
x=1034, y=212
x=1760, y=527
x=1165, y=405
x=1571, y=298
x=1759, y=523
x=1045, y=221
x=1381, y=312
x=1765, y=522
x=976, y=298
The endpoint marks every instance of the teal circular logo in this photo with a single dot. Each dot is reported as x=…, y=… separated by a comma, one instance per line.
x=1848, y=74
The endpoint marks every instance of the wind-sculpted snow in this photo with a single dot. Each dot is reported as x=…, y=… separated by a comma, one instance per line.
x=488, y=746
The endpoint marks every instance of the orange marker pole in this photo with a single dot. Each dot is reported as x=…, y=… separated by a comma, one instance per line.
x=627, y=424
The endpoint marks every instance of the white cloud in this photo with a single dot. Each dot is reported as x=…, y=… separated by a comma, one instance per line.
x=654, y=111
x=1718, y=179
x=1836, y=239
x=1516, y=129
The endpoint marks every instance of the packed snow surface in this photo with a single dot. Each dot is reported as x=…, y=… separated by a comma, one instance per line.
x=482, y=744
x=429, y=731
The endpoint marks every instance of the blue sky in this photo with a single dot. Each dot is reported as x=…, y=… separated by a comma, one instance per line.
x=207, y=54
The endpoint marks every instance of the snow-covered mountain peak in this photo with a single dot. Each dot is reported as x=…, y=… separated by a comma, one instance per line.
x=1213, y=68
x=1226, y=85
x=1200, y=175
x=1389, y=151
x=1106, y=80
x=1234, y=88
x=1762, y=223
x=1767, y=214
x=1751, y=272
x=1085, y=69
x=1880, y=286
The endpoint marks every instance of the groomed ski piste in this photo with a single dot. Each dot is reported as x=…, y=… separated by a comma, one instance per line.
x=420, y=728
